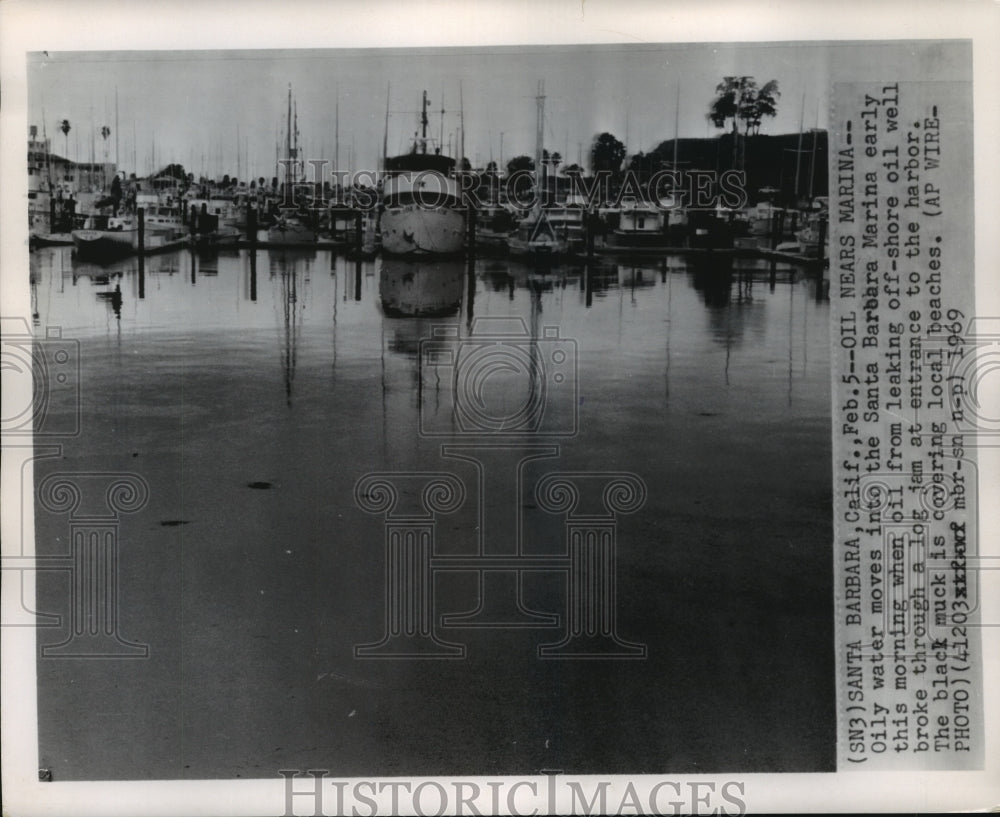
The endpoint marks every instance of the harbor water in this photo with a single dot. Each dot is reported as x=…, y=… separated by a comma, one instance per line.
x=251, y=393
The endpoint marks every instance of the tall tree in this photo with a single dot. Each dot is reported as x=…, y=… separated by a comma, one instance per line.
x=520, y=163
x=606, y=153
x=741, y=99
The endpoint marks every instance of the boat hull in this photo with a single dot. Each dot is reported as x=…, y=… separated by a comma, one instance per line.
x=105, y=243
x=415, y=230
x=291, y=235
x=638, y=238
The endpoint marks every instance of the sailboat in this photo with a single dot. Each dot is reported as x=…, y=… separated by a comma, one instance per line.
x=423, y=212
x=536, y=236
x=291, y=227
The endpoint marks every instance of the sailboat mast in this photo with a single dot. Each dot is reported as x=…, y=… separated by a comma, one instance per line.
x=116, y=129
x=812, y=159
x=288, y=142
x=461, y=124
x=539, y=135
x=385, y=133
x=677, y=123
x=798, y=152
x=423, y=124
x=48, y=164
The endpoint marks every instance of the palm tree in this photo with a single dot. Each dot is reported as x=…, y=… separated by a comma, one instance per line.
x=764, y=104
x=65, y=127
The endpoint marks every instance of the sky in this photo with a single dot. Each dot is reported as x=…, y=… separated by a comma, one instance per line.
x=221, y=112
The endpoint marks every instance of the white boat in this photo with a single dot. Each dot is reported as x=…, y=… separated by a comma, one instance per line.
x=639, y=225
x=537, y=237
x=105, y=236
x=762, y=218
x=568, y=223
x=422, y=207
x=160, y=220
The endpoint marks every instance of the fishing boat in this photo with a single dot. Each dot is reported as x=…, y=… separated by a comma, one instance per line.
x=639, y=225
x=422, y=207
x=494, y=224
x=104, y=237
x=217, y=220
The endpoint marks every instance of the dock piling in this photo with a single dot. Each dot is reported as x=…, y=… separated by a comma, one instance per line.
x=777, y=228
x=253, y=274
x=141, y=216
x=252, y=227
x=471, y=219
x=822, y=239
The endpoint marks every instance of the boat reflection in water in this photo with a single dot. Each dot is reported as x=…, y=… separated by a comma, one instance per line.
x=421, y=289
x=712, y=276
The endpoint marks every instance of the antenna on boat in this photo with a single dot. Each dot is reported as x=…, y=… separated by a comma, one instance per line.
x=812, y=159
x=117, y=168
x=798, y=152
x=385, y=133
x=461, y=124
x=441, y=123
x=288, y=141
